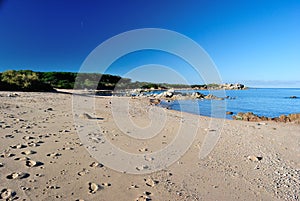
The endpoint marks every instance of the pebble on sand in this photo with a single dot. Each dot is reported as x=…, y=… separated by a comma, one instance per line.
x=254, y=158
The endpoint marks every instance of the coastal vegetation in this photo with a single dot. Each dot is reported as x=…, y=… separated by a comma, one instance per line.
x=23, y=80
x=27, y=80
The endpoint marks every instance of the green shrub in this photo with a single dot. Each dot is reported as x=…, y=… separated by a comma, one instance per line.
x=23, y=80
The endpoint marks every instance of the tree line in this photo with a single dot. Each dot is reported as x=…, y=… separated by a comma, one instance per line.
x=27, y=80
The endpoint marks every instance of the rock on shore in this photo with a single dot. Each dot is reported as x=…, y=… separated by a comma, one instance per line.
x=249, y=116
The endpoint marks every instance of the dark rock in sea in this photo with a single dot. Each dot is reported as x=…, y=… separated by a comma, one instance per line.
x=230, y=98
x=293, y=97
x=229, y=113
x=197, y=95
x=213, y=97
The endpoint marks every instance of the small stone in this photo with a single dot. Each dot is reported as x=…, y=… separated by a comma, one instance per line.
x=254, y=158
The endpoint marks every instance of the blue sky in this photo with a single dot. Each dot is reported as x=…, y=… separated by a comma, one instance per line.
x=253, y=42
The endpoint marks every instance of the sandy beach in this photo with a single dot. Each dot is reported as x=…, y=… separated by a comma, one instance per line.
x=44, y=157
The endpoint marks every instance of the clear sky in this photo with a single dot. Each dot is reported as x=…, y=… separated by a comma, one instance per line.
x=256, y=42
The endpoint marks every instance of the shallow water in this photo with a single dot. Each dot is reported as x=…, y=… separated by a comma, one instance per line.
x=269, y=102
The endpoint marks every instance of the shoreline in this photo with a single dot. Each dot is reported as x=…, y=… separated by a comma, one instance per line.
x=239, y=116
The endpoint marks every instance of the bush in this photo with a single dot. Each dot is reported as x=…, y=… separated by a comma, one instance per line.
x=23, y=80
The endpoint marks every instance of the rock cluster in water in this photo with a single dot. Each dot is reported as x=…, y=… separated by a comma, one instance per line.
x=226, y=86
x=249, y=116
x=173, y=95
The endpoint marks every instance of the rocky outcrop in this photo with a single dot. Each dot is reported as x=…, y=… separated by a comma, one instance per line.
x=212, y=97
x=236, y=86
x=197, y=95
x=173, y=95
x=225, y=86
x=249, y=116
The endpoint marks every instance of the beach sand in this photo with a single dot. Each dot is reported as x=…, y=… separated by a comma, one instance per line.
x=44, y=157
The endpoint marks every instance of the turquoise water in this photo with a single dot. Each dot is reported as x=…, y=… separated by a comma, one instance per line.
x=264, y=102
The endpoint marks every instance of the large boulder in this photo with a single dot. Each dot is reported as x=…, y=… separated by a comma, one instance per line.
x=169, y=93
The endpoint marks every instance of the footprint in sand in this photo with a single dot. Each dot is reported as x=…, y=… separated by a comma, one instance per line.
x=28, y=152
x=143, y=198
x=106, y=184
x=28, y=138
x=9, y=136
x=150, y=182
x=1, y=165
x=85, y=116
x=32, y=163
x=18, y=146
x=143, y=149
x=22, y=159
x=93, y=187
x=7, y=194
x=148, y=158
x=18, y=175
x=54, y=155
x=6, y=154
x=83, y=172
x=35, y=144
x=142, y=167
x=95, y=164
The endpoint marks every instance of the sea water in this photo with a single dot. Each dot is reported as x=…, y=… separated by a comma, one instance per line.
x=269, y=102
